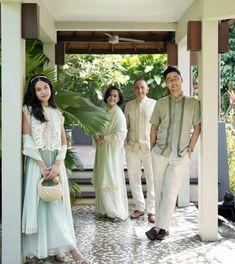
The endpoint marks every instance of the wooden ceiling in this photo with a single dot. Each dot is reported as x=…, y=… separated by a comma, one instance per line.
x=97, y=42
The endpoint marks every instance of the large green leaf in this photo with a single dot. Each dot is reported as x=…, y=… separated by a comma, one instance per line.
x=66, y=98
x=80, y=111
x=32, y=64
x=72, y=161
x=71, y=120
x=91, y=117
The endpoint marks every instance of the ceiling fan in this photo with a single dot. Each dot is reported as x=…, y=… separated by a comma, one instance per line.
x=114, y=39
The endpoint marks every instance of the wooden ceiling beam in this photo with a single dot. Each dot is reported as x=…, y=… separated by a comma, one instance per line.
x=96, y=42
x=114, y=51
x=93, y=37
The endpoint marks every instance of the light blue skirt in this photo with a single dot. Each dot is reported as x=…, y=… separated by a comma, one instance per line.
x=55, y=236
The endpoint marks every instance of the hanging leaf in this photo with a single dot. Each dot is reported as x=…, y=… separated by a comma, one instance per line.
x=157, y=79
x=90, y=116
x=148, y=68
x=150, y=81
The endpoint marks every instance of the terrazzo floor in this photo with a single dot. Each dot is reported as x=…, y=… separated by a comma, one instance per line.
x=106, y=242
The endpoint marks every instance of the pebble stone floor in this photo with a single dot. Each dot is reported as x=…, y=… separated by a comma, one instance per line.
x=106, y=242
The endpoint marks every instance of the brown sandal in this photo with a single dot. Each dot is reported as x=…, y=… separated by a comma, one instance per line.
x=137, y=214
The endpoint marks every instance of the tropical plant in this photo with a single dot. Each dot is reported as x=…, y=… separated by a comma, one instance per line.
x=230, y=135
x=150, y=67
x=227, y=66
x=91, y=74
x=79, y=111
x=227, y=62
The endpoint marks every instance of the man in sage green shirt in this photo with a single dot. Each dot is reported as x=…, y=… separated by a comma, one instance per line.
x=172, y=120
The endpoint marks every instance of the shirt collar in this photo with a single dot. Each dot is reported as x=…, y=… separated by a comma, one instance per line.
x=143, y=100
x=178, y=98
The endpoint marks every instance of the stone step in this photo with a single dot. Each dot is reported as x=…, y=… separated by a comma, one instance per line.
x=88, y=187
x=87, y=180
x=83, y=178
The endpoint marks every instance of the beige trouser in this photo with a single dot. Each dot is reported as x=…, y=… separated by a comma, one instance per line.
x=135, y=161
x=168, y=174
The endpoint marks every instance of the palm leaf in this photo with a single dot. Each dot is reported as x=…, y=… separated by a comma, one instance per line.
x=66, y=99
x=81, y=111
x=71, y=120
x=72, y=161
x=90, y=116
x=32, y=64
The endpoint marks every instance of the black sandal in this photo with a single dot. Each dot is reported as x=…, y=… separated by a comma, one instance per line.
x=151, y=234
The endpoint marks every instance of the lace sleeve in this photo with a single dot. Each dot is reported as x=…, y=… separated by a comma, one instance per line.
x=61, y=118
x=26, y=112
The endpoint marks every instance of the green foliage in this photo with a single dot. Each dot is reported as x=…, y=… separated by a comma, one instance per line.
x=74, y=191
x=72, y=161
x=90, y=75
x=35, y=59
x=148, y=67
x=227, y=66
x=80, y=111
x=230, y=136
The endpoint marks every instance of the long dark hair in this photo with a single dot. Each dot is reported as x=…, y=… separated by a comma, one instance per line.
x=31, y=100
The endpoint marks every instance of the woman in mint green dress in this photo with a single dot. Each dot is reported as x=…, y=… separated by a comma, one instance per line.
x=108, y=174
x=47, y=227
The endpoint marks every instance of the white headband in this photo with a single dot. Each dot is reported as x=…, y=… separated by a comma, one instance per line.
x=38, y=76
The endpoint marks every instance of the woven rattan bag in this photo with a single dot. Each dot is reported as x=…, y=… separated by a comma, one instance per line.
x=50, y=193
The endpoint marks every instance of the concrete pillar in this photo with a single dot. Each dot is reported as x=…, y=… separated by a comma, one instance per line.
x=49, y=51
x=208, y=162
x=13, y=65
x=184, y=67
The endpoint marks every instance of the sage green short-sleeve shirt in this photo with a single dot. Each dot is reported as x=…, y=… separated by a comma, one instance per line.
x=175, y=118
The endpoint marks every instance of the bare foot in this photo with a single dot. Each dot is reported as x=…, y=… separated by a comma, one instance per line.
x=78, y=257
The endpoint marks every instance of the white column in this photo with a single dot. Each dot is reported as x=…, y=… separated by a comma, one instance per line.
x=184, y=67
x=49, y=51
x=13, y=64
x=208, y=162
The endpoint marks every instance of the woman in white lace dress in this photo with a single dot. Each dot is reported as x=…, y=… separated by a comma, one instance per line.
x=108, y=175
x=47, y=227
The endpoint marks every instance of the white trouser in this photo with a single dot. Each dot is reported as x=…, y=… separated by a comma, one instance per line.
x=135, y=161
x=168, y=174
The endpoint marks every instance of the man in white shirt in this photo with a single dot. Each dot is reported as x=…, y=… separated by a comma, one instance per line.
x=137, y=146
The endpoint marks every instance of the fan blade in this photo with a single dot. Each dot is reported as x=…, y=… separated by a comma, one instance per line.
x=113, y=39
x=131, y=40
x=107, y=34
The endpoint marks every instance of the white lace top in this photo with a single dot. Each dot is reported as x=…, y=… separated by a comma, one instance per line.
x=46, y=135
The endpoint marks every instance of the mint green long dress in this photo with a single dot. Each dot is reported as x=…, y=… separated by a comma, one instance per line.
x=47, y=227
x=108, y=174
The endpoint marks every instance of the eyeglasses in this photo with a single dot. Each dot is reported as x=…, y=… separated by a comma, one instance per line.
x=174, y=79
